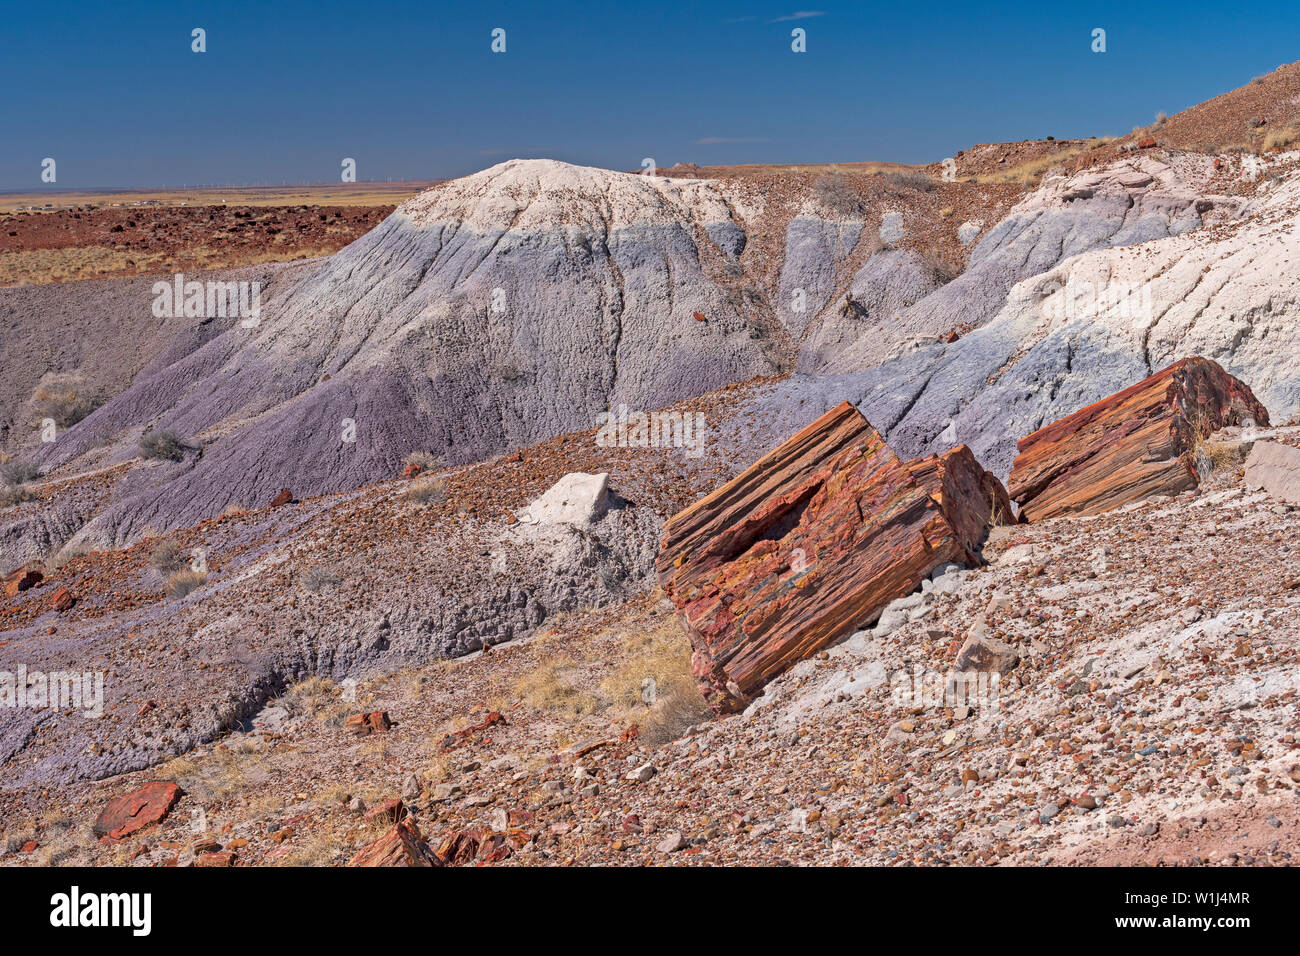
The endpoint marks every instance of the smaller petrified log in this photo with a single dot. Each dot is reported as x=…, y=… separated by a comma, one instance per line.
x=1134, y=444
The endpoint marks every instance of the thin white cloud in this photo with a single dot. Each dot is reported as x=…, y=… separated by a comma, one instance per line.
x=800, y=15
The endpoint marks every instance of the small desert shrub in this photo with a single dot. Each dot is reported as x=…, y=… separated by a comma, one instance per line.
x=427, y=491
x=17, y=472
x=1161, y=118
x=426, y=461
x=15, y=496
x=163, y=445
x=318, y=578
x=185, y=581
x=912, y=180
x=61, y=398
x=167, y=557
x=837, y=194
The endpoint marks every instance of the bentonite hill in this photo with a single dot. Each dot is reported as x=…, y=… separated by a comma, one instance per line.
x=873, y=514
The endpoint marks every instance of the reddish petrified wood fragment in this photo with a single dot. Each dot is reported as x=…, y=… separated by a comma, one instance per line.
x=811, y=542
x=1134, y=444
x=363, y=725
x=971, y=498
x=126, y=814
x=62, y=600
x=22, y=579
x=400, y=846
x=458, y=738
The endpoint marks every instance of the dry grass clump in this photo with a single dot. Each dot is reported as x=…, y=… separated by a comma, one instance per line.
x=185, y=581
x=427, y=491
x=319, y=698
x=1282, y=138
x=1211, y=456
x=653, y=686
x=18, y=472
x=901, y=182
x=318, y=578
x=15, y=496
x=62, y=398
x=837, y=193
x=550, y=688
x=69, y=553
x=1030, y=173
x=426, y=461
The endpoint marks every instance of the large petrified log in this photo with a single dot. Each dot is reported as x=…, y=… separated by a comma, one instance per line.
x=811, y=542
x=1134, y=444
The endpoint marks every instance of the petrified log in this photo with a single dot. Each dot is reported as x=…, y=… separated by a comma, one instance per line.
x=400, y=846
x=811, y=542
x=1134, y=444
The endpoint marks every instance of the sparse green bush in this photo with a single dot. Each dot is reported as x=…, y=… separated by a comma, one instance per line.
x=163, y=445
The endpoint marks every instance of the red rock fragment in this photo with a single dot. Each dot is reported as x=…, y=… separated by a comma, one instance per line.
x=811, y=542
x=62, y=600
x=700, y=317
x=1137, y=443
x=134, y=811
x=459, y=848
x=224, y=858
x=1146, y=143
x=411, y=471
x=283, y=498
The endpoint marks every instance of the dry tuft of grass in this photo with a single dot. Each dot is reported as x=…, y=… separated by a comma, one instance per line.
x=427, y=491
x=1211, y=456
x=185, y=581
x=167, y=557
x=653, y=687
x=1030, y=174
x=321, y=699
x=426, y=461
x=1282, y=138
x=62, y=398
x=550, y=688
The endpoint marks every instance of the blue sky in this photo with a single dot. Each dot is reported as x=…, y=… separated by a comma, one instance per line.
x=287, y=89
